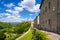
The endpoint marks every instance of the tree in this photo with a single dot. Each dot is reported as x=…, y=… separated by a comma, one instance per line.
x=2, y=36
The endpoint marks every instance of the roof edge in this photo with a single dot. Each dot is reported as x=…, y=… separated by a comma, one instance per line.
x=41, y=3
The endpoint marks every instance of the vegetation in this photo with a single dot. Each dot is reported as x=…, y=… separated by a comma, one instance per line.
x=10, y=31
x=28, y=36
x=39, y=35
x=34, y=34
x=2, y=36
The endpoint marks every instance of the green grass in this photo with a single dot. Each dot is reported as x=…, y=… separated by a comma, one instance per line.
x=29, y=35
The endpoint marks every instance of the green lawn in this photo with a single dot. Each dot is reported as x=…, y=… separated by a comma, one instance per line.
x=29, y=35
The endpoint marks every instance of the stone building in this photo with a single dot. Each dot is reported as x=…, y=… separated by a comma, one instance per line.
x=37, y=22
x=32, y=24
x=50, y=15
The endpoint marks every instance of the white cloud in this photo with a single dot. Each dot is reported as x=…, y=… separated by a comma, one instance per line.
x=4, y=14
x=30, y=18
x=35, y=8
x=9, y=5
x=27, y=3
x=30, y=5
x=15, y=17
x=18, y=8
x=30, y=14
x=14, y=12
x=10, y=18
x=8, y=10
x=7, y=14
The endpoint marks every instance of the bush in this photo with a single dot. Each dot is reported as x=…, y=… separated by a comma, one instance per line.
x=22, y=27
x=10, y=36
x=38, y=35
x=2, y=36
x=9, y=30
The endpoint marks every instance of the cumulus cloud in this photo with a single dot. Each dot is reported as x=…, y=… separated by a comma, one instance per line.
x=27, y=3
x=9, y=5
x=16, y=11
x=30, y=5
x=35, y=8
x=8, y=10
x=10, y=18
x=4, y=14
x=14, y=15
x=7, y=14
x=18, y=8
x=12, y=11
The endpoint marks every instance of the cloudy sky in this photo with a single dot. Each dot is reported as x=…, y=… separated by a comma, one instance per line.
x=18, y=10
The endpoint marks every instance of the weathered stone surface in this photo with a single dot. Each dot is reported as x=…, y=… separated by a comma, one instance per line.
x=49, y=16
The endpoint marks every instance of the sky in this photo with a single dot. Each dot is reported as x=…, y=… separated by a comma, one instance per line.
x=19, y=10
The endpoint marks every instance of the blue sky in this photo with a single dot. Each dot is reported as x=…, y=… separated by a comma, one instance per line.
x=19, y=10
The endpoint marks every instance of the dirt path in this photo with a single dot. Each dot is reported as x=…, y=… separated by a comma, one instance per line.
x=53, y=36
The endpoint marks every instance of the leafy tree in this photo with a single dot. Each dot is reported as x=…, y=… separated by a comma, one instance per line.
x=38, y=35
x=2, y=36
x=12, y=29
x=1, y=27
x=22, y=27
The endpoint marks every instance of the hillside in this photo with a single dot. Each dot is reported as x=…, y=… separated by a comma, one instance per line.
x=34, y=35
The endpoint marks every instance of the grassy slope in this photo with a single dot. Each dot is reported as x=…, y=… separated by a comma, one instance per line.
x=28, y=36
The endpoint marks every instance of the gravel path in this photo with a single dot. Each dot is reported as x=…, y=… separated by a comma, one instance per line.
x=53, y=36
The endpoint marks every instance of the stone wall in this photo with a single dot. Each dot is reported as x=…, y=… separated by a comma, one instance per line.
x=49, y=17
x=58, y=16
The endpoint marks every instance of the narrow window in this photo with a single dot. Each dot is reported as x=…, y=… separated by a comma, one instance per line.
x=49, y=21
x=49, y=5
x=45, y=9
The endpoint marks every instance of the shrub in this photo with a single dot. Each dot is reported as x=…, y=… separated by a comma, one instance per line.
x=10, y=36
x=39, y=35
x=2, y=36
